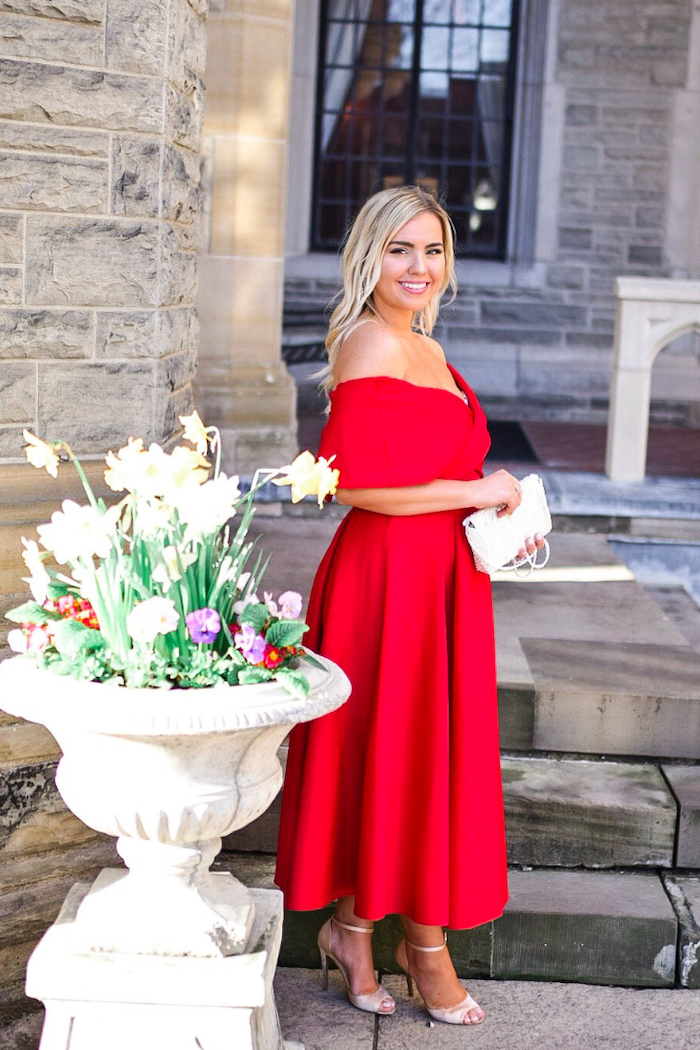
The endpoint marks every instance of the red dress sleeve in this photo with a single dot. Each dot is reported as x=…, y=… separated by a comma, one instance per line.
x=386, y=433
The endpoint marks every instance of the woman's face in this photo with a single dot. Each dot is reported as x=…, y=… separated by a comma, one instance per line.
x=413, y=267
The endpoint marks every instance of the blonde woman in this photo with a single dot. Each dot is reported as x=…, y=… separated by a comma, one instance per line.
x=393, y=803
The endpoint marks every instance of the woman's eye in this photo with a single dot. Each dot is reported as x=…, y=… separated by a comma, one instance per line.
x=397, y=251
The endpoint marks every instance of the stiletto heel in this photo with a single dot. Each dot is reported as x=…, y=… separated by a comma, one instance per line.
x=377, y=1002
x=458, y=1014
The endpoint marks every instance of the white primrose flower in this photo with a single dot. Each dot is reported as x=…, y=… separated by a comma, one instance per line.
x=17, y=641
x=39, y=579
x=150, y=618
x=79, y=532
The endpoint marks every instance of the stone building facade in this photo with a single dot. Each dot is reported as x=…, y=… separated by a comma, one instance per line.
x=606, y=163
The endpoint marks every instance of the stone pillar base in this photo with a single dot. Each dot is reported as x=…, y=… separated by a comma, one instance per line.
x=112, y=1001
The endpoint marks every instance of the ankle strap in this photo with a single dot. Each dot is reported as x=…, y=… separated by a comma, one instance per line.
x=353, y=929
x=422, y=948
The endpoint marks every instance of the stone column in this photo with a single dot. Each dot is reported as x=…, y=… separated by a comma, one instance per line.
x=100, y=110
x=242, y=383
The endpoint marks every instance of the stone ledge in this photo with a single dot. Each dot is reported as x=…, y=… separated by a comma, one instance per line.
x=685, y=895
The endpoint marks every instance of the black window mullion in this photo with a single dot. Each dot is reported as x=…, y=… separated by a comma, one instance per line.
x=412, y=117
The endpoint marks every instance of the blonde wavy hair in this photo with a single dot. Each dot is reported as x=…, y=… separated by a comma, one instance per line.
x=376, y=225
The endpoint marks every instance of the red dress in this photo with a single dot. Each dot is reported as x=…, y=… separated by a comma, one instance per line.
x=396, y=797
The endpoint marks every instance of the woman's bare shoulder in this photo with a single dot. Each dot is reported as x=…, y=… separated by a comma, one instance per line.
x=370, y=350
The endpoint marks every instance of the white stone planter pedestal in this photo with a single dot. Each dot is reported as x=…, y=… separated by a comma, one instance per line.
x=169, y=773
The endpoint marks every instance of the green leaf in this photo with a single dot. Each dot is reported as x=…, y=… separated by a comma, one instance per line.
x=255, y=614
x=285, y=632
x=251, y=675
x=32, y=612
x=294, y=682
x=71, y=637
x=311, y=659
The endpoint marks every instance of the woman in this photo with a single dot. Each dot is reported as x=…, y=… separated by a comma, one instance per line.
x=393, y=803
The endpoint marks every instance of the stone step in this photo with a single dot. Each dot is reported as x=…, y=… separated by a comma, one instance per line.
x=570, y=813
x=615, y=698
x=590, y=927
x=685, y=783
x=559, y=813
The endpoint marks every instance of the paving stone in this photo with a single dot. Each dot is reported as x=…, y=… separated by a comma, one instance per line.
x=597, y=928
x=615, y=698
x=565, y=813
x=317, y=1019
x=685, y=781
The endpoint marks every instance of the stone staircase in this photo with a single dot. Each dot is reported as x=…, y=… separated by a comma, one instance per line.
x=599, y=694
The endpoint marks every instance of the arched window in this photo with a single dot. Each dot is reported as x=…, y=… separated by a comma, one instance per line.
x=416, y=91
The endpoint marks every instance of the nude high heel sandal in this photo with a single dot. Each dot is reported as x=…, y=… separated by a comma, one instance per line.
x=458, y=1014
x=378, y=1002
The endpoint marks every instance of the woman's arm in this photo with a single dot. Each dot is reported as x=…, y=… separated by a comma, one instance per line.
x=498, y=489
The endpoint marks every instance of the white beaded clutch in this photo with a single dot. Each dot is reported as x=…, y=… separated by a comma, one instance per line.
x=495, y=541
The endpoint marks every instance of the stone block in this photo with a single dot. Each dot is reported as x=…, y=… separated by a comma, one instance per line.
x=183, y=115
x=67, y=861
x=187, y=47
x=248, y=197
x=10, y=285
x=565, y=813
x=13, y=966
x=566, y=276
x=97, y=388
x=135, y=37
x=23, y=791
x=573, y=237
x=91, y=262
x=17, y=392
x=168, y=411
x=597, y=928
x=26, y=744
x=136, y=175
x=41, y=183
x=581, y=115
x=649, y=177
x=126, y=333
x=89, y=11
x=177, y=271
x=43, y=93
x=669, y=74
x=44, y=139
x=685, y=783
x=615, y=697
x=685, y=896
x=50, y=40
x=11, y=241
x=180, y=184
x=239, y=101
x=46, y=333
x=541, y=315
x=645, y=255
x=176, y=370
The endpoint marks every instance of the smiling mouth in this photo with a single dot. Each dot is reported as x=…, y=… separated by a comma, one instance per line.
x=416, y=287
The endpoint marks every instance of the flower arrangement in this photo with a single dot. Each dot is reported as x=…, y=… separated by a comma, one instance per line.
x=161, y=589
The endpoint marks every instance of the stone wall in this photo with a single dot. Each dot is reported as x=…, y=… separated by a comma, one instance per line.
x=535, y=335
x=100, y=130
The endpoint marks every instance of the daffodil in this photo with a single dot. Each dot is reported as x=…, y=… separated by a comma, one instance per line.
x=310, y=477
x=39, y=579
x=123, y=467
x=40, y=454
x=205, y=509
x=196, y=432
x=79, y=532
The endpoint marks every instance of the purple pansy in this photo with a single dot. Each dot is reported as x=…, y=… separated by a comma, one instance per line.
x=252, y=645
x=203, y=625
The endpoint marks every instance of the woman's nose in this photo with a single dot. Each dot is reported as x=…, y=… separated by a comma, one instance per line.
x=417, y=264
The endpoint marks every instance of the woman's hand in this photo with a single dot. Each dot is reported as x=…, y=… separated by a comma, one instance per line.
x=499, y=489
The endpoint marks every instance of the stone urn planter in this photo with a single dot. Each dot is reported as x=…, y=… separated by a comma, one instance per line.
x=169, y=772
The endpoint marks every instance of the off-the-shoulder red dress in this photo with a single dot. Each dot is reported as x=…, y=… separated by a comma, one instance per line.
x=396, y=797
